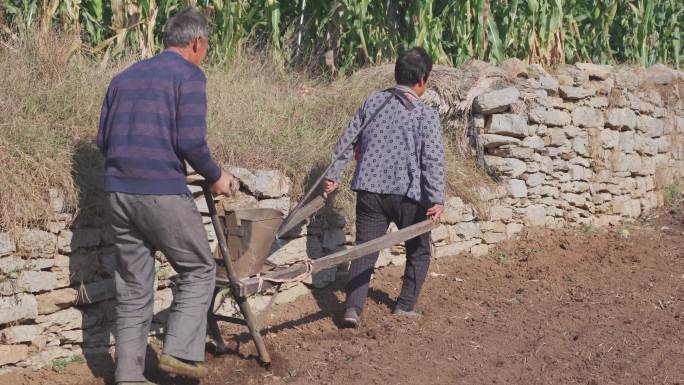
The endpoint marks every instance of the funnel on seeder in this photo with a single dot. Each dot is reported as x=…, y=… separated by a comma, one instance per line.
x=251, y=233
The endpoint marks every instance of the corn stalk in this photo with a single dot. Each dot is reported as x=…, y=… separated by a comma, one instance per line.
x=346, y=34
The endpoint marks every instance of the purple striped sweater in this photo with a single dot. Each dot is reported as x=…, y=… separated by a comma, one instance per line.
x=153, y=119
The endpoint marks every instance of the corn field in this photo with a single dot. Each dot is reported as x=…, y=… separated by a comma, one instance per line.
x=346, y=34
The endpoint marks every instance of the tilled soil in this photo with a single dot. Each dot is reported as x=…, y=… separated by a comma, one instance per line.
x=577, y=306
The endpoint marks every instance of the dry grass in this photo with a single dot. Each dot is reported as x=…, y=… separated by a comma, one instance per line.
x=259, y=117
x=262, y=117
x=48, y=110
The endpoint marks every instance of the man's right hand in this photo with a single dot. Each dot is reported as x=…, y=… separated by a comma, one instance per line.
x=328, y=187
x=227, y=184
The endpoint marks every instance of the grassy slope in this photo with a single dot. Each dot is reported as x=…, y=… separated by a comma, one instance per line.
x=259, y=117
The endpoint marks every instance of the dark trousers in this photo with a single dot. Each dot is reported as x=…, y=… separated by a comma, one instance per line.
x=374, y=212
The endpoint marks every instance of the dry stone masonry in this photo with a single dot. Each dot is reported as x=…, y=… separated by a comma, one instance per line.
x=583, y=144
x=591, y=144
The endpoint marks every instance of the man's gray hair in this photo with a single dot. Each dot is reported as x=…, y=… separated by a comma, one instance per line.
x=184, y=26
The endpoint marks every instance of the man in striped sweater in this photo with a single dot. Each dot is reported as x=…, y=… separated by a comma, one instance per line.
x=153, y=120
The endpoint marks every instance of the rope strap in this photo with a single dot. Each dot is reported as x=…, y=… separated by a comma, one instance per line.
x=306, y=274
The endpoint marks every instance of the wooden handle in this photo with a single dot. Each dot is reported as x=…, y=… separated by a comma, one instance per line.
x=300, y=215
x=250, y=286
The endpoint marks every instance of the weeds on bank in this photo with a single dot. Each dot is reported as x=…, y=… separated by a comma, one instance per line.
x=59, y=365
x=627, y=229
x=12, y=274
x=259, y=116
x=291, y=376
x=587, y=228
x=49, y=110
x=500, y=256
x=672, y=194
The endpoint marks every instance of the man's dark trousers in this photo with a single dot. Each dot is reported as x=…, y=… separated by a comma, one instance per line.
x=374, y=212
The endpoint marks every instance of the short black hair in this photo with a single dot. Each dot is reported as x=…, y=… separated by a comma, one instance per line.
x=412, y=66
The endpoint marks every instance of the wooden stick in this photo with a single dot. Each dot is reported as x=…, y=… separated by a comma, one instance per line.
x=245, y=309
x=301, y=214
x=258, y=284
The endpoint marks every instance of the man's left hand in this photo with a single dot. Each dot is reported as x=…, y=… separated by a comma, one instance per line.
x=435, y=211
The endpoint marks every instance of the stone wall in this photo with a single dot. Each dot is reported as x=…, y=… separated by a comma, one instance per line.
x=587, y=145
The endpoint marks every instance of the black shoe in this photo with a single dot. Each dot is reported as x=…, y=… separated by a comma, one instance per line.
x=407, y=313
x=351, y=319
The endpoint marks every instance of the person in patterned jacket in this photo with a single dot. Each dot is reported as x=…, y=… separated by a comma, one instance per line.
x=399, y=177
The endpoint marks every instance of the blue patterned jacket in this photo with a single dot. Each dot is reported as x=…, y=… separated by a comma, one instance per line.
x=400, y=152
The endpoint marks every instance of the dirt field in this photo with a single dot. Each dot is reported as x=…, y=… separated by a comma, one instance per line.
x=566, y=307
